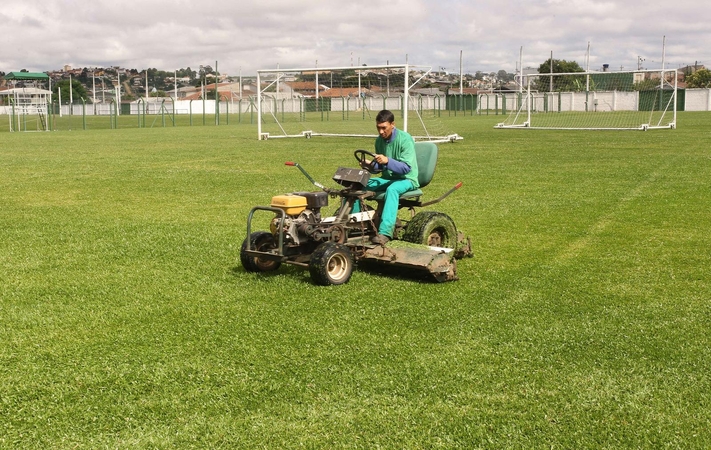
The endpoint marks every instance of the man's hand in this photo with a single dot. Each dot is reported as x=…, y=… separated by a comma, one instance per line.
x=381, y=159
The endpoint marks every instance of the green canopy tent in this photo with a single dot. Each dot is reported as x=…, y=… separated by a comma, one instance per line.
x=23, y=76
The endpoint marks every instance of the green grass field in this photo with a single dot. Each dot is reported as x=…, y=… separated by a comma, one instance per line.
x=582, y=321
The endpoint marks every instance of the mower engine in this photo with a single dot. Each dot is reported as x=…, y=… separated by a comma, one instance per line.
x=303, y=217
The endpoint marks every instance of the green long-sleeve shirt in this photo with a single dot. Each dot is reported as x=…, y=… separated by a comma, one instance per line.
x=400, y=147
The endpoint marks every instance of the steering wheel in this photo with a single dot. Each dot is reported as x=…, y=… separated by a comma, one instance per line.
x=360, y=156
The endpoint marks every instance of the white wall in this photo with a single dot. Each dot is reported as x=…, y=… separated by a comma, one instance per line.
x=695, y=100
x=698, y=100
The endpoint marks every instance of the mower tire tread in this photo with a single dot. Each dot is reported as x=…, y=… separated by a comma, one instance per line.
x=331, y=264
x=262, y=241
x=431, y=228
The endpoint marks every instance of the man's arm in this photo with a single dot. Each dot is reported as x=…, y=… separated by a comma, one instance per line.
x=396, y=166
x=383, y=162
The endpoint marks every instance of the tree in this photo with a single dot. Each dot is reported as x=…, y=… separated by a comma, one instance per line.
x=504, y=76
x=559, y=66
x=699, y=79
x=560, y=83
x=646, y=85
x=78, y=92
x=187, y=72
x=202, y=75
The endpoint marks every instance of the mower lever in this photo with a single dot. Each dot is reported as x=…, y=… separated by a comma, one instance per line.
x=314, y=182
x=437, y=200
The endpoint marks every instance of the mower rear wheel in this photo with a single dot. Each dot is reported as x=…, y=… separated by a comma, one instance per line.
x=431, y=228
x=261, y=241
x=331, y=264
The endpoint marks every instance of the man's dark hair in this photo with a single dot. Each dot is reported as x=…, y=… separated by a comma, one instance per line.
x=385, y=116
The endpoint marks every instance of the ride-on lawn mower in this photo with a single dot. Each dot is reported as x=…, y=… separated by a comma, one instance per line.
x=330, y=246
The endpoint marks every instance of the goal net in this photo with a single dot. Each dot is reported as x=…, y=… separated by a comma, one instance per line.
x=345, y=101
x=634, y=100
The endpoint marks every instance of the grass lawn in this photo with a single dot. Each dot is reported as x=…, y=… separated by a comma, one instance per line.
x=126, y=320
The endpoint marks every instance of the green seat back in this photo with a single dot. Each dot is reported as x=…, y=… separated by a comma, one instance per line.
x=426, y=153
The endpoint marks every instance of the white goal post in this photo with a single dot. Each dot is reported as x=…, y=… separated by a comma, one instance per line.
x=343, y=101
x=625, y=100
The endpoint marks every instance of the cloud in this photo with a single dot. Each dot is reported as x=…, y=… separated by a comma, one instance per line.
x=250, y=34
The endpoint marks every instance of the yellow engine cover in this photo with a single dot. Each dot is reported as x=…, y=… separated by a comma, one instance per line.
x=292, y=205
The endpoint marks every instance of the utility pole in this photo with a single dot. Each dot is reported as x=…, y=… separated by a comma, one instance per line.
x=118, y=92
x=461, y=75
x=551, y=87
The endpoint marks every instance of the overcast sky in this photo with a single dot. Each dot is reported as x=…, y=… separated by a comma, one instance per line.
x=246, y=35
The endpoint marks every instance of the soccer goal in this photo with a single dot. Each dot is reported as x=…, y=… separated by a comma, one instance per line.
x=634, y=100
x=343, y=101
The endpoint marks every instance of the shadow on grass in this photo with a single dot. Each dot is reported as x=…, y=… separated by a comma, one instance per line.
x=284, y=268
x=370, y=267
x=396, y=272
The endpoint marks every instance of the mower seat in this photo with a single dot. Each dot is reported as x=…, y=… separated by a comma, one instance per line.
x=426, y=154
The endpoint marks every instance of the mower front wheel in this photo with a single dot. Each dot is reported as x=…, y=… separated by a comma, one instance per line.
x=261, y=241
x=331, y=264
